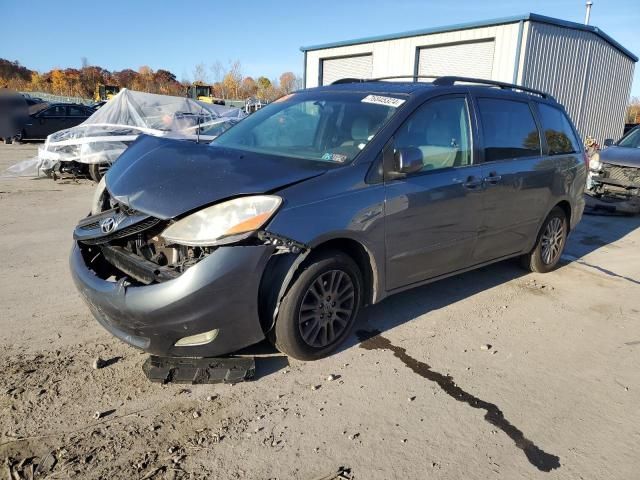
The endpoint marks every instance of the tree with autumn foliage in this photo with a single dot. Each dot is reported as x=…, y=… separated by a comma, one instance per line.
x=229, y=81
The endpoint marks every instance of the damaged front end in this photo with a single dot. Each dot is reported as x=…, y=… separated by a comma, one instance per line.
x=614, y=187
x=170, y=298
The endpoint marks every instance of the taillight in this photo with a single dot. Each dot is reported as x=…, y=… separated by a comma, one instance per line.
x=586, y=160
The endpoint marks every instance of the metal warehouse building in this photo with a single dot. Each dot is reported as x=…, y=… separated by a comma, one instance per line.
x=584, y=68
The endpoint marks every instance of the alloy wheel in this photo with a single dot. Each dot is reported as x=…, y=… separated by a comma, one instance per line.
x=327, y=308
x=552, y=240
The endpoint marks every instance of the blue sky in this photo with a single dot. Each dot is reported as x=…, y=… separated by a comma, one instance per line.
x=264, y=36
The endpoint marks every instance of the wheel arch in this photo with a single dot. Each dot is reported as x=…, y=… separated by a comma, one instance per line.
x=282, y=270
x=566, y=208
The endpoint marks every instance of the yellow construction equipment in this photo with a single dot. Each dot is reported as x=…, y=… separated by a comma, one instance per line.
x=105, y=92
x=203, y=93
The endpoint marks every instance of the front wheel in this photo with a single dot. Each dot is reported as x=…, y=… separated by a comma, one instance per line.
x=319, y=310
x=97, y=171
x=550, y=243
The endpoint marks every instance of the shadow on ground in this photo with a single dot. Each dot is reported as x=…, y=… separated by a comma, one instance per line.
x=593, y=233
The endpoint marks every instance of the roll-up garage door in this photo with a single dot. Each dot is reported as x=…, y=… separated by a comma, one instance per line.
x=469, y=59
x=357, y=66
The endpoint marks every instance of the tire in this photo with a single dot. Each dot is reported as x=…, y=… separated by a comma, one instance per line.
x=549, y=244
x=310, y=323
x=8, y=140
x=97, y=171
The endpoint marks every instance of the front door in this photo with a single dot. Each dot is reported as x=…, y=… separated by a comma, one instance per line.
x=48, y=121
x=432, y=216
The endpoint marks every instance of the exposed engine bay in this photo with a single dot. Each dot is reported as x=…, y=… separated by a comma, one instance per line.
x=119, y=243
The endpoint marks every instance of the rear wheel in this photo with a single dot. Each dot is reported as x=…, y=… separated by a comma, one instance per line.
x=550, y=243
x=318, y=312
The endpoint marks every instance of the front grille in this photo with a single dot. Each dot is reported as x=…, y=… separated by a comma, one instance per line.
x=621, y=174
x=89, y=226
x=125, y=232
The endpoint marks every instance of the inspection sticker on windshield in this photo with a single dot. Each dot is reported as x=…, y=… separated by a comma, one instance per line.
x=380, y=100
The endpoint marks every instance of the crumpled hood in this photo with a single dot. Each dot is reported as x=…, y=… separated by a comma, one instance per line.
x=623, y=156
x=166, y=178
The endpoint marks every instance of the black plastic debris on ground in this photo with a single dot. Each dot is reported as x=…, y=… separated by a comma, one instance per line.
x=199, y=370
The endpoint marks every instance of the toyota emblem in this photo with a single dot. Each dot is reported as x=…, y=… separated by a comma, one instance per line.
x=107, y=225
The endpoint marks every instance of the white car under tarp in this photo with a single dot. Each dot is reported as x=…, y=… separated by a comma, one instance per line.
x=100, y=140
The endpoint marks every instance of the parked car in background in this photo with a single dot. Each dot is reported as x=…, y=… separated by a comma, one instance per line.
x=47, y=118
x=615, y=172
x=322, y=202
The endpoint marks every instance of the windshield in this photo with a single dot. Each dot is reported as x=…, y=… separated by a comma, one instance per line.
x=322, y=126
x=632, y=140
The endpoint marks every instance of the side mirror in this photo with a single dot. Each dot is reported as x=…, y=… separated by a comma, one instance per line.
x=407, y=160
x=608, y=142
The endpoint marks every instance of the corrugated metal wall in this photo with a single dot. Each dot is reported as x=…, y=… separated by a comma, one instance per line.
x=398, y=56
x=584, y=72
x=590, y=77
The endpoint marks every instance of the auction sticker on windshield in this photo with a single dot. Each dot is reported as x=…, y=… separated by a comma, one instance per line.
x=381, y=100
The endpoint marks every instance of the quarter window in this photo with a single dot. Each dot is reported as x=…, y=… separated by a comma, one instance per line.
x=509, y=130
x=440, y=130
x=557, y=131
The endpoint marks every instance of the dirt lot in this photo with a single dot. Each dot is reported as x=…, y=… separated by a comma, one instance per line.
x=556, y=396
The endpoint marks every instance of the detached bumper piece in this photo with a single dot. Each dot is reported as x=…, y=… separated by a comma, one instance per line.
x=199, y=370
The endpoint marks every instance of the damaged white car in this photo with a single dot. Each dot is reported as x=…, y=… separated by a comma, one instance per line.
x=91, y=147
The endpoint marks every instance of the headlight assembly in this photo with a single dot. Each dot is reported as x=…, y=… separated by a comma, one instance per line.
x=212, y=224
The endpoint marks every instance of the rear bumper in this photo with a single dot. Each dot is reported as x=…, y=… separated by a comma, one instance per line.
x=220, y=292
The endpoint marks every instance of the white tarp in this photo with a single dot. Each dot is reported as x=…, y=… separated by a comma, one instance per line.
x=112, y=128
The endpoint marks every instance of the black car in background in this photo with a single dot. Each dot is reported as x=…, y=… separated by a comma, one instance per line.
x=47, y=118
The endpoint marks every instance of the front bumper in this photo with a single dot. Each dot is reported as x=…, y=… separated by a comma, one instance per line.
x=219, y=292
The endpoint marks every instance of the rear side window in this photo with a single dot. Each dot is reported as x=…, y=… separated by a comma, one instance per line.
x=76, y=111
x=557, y=130
x=509, y=129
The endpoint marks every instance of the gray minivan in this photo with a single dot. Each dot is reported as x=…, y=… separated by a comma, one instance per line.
x=325, y=201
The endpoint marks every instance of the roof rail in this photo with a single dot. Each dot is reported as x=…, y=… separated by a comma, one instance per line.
x=451, y=80
x=393, y=77
x=349, y=80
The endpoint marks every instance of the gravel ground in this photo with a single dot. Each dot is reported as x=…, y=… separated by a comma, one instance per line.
x=491, y=374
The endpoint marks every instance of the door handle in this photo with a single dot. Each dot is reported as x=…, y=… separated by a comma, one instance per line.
x=492, y=179
x=472, y=183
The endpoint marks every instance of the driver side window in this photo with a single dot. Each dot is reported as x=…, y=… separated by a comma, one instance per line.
x=440, y=130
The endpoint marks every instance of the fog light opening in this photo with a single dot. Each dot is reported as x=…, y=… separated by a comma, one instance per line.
x=199, y=339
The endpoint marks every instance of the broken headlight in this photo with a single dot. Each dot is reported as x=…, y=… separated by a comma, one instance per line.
x=212, y=224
